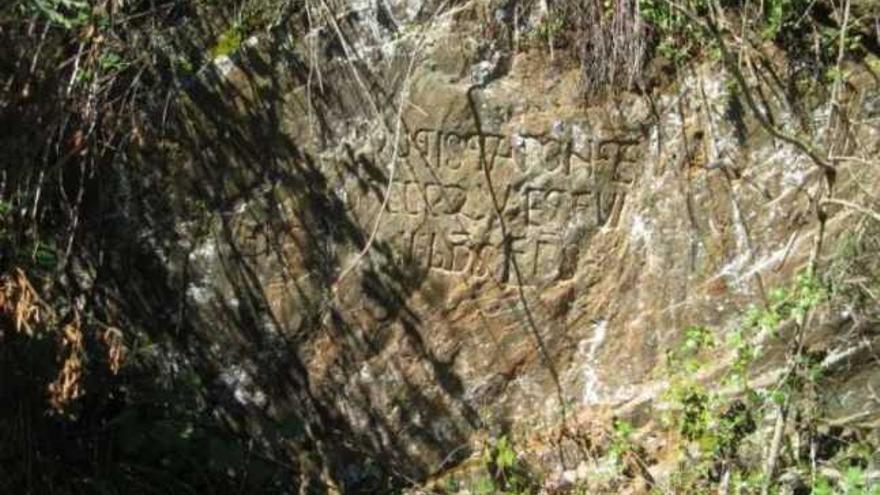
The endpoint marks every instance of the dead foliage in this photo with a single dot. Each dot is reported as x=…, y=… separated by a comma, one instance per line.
x=28, y=315
x=19, y=302
x=68, y=383
x=613, y=45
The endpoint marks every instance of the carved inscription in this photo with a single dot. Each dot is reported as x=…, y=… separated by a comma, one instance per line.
x=442, y=206
x=415, y=198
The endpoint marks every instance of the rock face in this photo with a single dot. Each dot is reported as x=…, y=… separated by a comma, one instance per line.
x=437, y=238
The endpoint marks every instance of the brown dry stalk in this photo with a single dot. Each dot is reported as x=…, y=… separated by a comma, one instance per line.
x=21, y=305
x=116, y=350
x=19, y=301
x=613, y=47
x=68, y=384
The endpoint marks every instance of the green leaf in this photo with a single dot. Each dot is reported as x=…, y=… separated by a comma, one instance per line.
x=778, y=397
x=111, y=61
x=506, y=457
x=485, y=486
x=853, y=479
x=822, y=487
x=45, y=257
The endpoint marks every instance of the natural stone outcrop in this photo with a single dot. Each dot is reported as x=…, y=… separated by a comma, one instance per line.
x=419, y=234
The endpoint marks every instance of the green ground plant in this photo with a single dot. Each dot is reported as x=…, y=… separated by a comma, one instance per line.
x=505, y=472
x=718, y=430
x=66, y=14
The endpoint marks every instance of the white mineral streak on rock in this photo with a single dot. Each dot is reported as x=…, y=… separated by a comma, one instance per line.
x=794, y=170
x=206, y=253
x=224, y=64
x=244, y=389
x=640, y=230
x=590, y=347
x=199, y=294
x=204, y=257
x=481, y=72
x=734, y=269
x=764, y=263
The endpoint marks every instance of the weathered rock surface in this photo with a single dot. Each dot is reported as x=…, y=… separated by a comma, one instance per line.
x=501, y=257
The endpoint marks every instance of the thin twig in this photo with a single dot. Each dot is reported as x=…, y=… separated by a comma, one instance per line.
x=853, y=206
x=833, y=105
